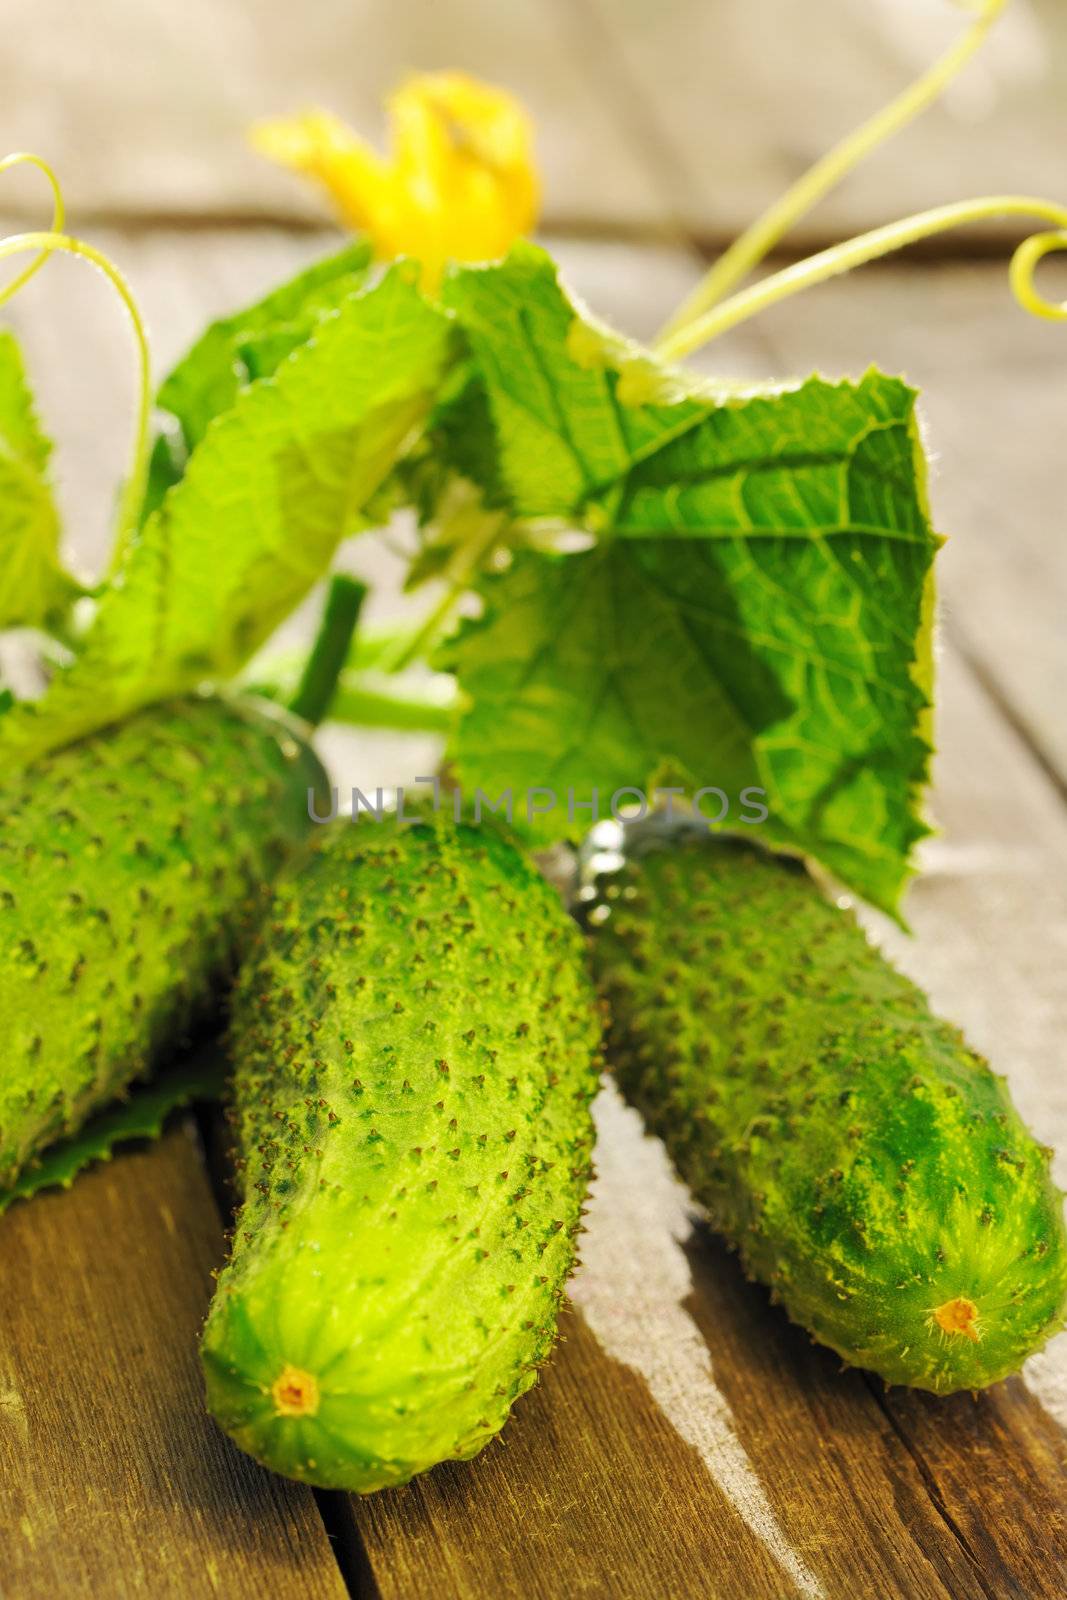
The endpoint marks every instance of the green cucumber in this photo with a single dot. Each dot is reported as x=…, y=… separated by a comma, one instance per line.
x=868, y=1165
x=130, y=862
x=415, y=1039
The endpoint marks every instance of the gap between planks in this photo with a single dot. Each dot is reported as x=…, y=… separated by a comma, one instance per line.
x=115, y=1480
x=715, y=107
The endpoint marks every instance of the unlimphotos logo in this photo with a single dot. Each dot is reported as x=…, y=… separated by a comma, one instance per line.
x=628, y=804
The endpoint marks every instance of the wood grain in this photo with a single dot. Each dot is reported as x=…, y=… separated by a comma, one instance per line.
x=588, y=1492
x=145, y=109
x=651, y=113
x=730, y=104
x=114, y=1480
x=995, y=1466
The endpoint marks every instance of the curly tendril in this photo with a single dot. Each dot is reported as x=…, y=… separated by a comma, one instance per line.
x=757, y=241
x=1024, y=267
x=46, y=244
x=23, y=158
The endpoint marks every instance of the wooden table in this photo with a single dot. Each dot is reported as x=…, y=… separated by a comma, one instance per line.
x=685, y=1440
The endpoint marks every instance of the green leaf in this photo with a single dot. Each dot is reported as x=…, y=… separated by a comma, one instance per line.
x=141, y=1116
x=276, y=483
x=33, y=585
x=451, y=482
x=756, y=611
x=252, y=343
x=166, y=464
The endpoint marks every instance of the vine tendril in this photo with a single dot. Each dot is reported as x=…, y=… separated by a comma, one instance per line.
x=758, y=240
x=1024, y=265
x=24, y=158
x=46, y=243
x=882, y=242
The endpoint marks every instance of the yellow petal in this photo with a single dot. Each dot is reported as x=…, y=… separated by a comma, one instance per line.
x=320, y=146
x=460, y=183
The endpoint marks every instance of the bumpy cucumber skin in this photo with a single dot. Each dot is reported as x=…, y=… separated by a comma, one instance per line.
x=870, y=1168
x=130, y=863
x=415, y=1040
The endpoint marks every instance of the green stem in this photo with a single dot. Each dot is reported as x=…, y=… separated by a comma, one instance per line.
x=318, y=685
x=758, y=240
x=881, y=242
x=374, y=648
x=134, y=487
x=463, y=574
x=407, y=711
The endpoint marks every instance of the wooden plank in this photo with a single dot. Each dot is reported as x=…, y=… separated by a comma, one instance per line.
x=990, y=918
x=114, y=1479
x=646, y=112
x=144, y=110
x=996, y=1469
x=640, y=1476
x=565, y=1504
x=730, y=104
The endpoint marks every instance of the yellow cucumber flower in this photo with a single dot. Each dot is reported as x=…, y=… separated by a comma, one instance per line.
x=459, y=183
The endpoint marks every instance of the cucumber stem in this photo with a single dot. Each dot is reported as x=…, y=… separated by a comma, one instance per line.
x=416, y=710
x=318, y=683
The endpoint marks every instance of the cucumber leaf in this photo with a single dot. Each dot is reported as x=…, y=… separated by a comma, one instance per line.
x=166, y=464
x=235, y=350
x=142, y=1116
x=252, y=343
x=755, y=611
x=276, y=483
x=34, y=588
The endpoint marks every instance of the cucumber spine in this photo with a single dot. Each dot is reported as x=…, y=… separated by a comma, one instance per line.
x=868, y=1165
x=415, y=1040
x=131, y=864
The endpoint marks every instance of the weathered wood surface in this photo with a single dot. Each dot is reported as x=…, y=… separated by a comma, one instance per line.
x=651, y=113
x=685, y=1439
x=774, y=1450
x=113, y=1480
x=732, y=103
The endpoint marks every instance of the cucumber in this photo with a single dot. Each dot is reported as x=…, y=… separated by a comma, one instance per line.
x=415, y=1039
x=130, y=862
x=868, y=1165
